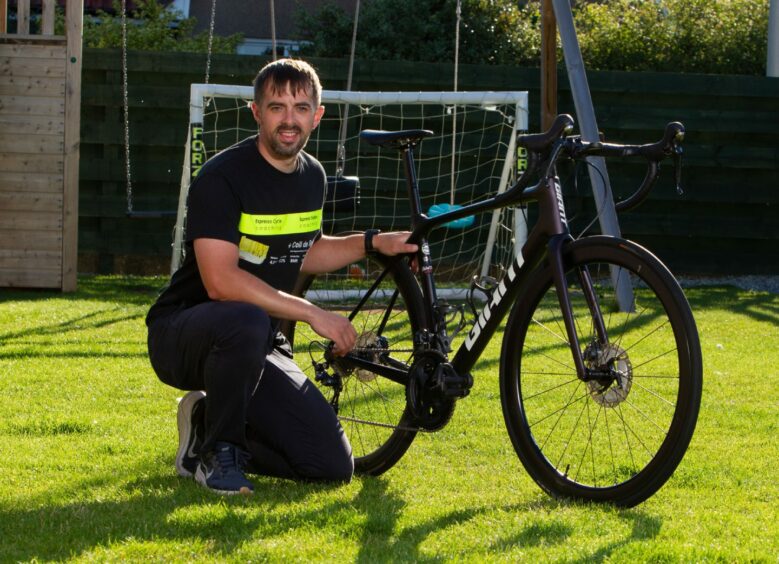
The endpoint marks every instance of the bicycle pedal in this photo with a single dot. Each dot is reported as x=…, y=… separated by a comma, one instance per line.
x=452, y=384
x=460, y=388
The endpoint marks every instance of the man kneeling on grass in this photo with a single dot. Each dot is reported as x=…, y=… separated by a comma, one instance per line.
x=253, y=224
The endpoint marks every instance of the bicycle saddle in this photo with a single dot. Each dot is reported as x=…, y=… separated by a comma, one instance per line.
x=395, y=139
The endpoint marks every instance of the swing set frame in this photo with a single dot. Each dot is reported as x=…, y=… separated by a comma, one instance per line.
x=556, y=14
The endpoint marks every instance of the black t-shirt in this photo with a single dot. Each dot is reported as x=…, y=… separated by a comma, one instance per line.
x=273, y=217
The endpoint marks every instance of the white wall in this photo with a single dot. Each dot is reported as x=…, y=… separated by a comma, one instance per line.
x=182, y=6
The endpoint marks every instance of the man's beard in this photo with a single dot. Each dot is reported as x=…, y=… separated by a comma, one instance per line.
x=287, y=150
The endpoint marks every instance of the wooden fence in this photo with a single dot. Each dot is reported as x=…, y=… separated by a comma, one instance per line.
x=724, y=222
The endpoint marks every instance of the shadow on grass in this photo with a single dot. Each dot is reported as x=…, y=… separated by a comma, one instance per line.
x=152, y=509
x=760, y=306
x=132, y=290
x=35, y=352
x=643, y=528
x=164, y=508
x=31, y=341
x=383, y=541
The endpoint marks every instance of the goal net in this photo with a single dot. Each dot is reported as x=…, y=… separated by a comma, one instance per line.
x=472, y=155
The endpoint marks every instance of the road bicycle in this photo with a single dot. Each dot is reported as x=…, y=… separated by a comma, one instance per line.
x=600, y=398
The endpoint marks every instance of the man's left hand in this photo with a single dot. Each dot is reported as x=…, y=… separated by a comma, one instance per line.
x=394, y=243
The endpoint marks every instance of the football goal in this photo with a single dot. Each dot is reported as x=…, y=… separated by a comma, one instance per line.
x=472, y=155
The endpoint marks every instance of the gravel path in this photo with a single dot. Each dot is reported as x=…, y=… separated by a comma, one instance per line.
x=758, y=283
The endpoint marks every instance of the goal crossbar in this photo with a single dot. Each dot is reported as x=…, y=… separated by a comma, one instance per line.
x=198, y=92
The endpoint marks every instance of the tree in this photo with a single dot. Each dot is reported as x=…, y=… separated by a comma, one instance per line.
x=720, y=36
x=493, y=31
x=152, y=27
x=714, y=36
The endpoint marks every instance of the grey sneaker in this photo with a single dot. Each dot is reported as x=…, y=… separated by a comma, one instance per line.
x=222, y=470
x=191, y=418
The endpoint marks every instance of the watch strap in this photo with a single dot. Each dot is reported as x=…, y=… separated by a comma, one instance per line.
x=369, y=235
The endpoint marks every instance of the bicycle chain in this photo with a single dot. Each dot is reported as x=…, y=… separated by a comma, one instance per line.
x=364, y=350
x=377, y=350
x=383, y=425
x=373, y=350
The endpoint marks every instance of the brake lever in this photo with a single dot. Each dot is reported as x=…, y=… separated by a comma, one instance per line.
x=677, y=157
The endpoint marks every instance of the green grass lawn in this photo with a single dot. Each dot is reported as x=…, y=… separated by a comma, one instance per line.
x=88, y=437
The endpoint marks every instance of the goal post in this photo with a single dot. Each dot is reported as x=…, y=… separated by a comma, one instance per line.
x=472, y=155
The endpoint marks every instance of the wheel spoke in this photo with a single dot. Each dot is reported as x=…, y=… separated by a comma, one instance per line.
x=557, y=335
x=559, y=412
x=655, y=330
x=654, y=358
x=553, y=359
x=629, y=427
x=570, y=441
x=658, y=396
x=549, y=390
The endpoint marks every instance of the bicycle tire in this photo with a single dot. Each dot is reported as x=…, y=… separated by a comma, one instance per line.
x=372, y=410
x=584, y=441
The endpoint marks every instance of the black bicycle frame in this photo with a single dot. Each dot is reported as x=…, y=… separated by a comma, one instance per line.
x=546, y=240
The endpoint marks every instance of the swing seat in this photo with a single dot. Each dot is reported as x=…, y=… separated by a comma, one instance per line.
x=343, y=194
x=150, y=214
x=440, y=209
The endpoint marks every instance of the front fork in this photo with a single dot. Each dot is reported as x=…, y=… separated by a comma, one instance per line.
x=555, y=250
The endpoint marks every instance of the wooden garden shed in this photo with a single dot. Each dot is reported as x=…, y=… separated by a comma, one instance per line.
x=40, y=96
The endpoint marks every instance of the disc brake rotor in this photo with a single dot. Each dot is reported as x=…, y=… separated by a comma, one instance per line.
x=613, y=359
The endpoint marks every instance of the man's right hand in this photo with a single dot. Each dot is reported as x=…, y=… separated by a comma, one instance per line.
x=335, y=327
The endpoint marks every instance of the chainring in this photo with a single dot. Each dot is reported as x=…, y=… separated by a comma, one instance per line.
x=430, y=408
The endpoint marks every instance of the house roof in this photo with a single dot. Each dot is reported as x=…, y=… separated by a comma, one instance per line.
x=90, y=6
x=252, y=18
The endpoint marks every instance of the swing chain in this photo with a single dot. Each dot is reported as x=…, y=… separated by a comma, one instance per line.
x=210, y=39
x=126, y=107
x=125, y=97
x=453, y=186
x=341, y=156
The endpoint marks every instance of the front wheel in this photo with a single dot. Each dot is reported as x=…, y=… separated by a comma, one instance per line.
x=617, y=435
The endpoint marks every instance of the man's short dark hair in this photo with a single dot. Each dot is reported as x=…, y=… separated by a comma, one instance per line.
x=293, y=73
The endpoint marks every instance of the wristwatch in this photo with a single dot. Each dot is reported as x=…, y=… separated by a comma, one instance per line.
x=369, y=235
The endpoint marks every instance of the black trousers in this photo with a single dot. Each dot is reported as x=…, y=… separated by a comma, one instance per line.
x=256, y=397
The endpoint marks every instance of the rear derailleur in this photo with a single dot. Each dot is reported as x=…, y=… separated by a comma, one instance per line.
x=331, y=380
x=331, y=371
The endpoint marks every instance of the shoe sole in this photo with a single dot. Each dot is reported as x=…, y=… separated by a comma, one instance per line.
x=201, y=479
x=184, y=420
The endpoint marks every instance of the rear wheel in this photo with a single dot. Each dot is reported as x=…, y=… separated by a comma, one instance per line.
x=618, y=435
x=371, y=408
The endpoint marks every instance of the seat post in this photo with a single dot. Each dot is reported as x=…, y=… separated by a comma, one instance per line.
x=425, y=261
x=411, y=184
